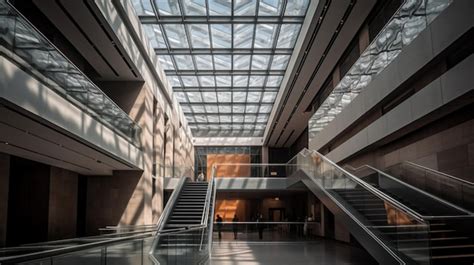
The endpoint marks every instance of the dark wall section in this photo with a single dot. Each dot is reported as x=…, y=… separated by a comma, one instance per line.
x=446, y=144
x=28, y=202
x=39, y=202
x=300, y=143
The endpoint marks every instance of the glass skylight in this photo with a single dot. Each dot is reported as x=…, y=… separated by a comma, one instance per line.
x=225, y=59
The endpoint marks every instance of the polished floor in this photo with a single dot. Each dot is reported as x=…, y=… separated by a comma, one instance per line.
x=319, y=251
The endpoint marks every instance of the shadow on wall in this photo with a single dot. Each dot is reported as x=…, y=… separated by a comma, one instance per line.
x=111, y=199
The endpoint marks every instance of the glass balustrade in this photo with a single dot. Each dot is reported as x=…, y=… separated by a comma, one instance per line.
x=22, y=43
x=394, y=225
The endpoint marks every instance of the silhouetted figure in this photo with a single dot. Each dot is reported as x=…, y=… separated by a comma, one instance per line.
x=260, y=226
x=219, y=226
x=235, y=226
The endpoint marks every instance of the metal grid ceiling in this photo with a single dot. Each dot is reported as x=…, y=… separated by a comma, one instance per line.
x=224, y=59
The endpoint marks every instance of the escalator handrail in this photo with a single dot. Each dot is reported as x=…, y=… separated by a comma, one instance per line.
x=467, y=213
x=405, y=209
x=451, y=177
x=167, y=212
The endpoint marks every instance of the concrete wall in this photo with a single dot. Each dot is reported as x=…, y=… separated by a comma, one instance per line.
x=4, y=184
x=62, y=216
x=441, y=97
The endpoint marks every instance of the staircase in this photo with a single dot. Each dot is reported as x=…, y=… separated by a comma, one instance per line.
x=183, y=244
x=454, y=247
x=189, y=207
x=442, y=241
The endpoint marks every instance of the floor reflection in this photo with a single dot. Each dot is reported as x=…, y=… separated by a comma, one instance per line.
x=319, y=251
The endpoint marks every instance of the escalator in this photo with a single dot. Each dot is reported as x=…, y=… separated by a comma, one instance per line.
x=391, y=228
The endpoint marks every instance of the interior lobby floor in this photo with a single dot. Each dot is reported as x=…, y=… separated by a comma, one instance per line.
x=319, y=251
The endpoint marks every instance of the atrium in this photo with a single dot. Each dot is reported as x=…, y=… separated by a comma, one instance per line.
x=236, y=132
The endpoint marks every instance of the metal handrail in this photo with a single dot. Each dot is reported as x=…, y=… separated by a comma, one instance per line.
x=72, y=249
x=439, y=173
x=373, y=190
x=417, y=190
x=167, y=212
x=69, y=249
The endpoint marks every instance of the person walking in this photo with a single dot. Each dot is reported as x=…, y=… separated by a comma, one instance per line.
x=219, y=226
x=235, y=226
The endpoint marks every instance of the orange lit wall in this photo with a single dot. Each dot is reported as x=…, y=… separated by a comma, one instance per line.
x=227, y=208
x=229, y=171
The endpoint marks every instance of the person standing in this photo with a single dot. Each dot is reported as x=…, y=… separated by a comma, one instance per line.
x=219, y=226
x=260, y=226
x=200, y=177
x=235, y=227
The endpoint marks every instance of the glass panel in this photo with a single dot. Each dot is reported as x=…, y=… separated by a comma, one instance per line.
x=262, y=118
x=260, y=62
x=244, y=7
x=225, y=108
x=155, y=36
x=241, y=62
x=280, y=62
x=143, y=7
x=265, y=109
x=174, y=81
x=200, y=118
x=223, y=81
x=184, y=62
x=250, y=119
x=221, y=35
x=265, y=35
x=270, y=7
x=181, y=97
x=176, y=35
x=238, y=108
x=225, y=118
x=199, y=35
x=251, y=108
x=198, y=109
x=256, y=80
x=224, y=97
x=241, y=80
x=203, y=62
x=254, y=97
x=296, y=8
x=194, y=7
x=189, y=81
x=165, y=61
x=213, y=118
x=212, y=108
x=220, y=7
x=274, y=80
x=239, y=96
x=194, y=97
x=243, y=35
x=288, y=35
x=238, y=118
x=207, y=80
x=168, y=7
x=223, y=62
x=269, y=97
x=209, y=97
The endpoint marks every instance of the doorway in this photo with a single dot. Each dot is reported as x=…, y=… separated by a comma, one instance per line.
x=276, y=214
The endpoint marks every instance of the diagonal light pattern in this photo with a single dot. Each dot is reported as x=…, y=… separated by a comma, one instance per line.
x=225, y=59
